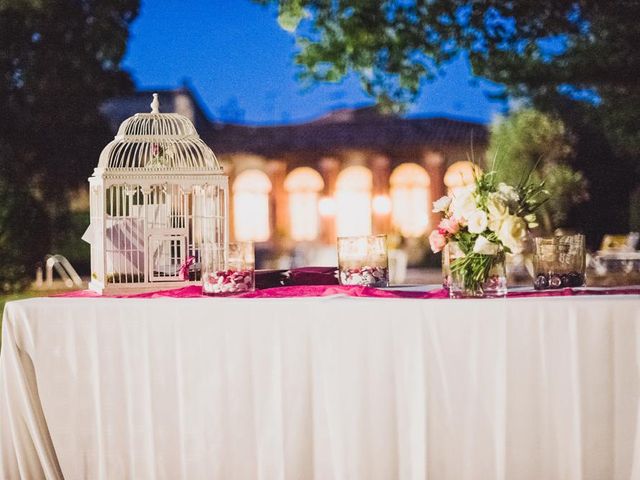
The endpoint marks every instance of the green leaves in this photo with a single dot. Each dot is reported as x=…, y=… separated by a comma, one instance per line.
x=530, y=146
x=543, y=50
x=382, y=42
x=290, y=12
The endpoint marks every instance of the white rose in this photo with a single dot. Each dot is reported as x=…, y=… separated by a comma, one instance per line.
x=497, y=211
x=508, y=192
x=441, y=204
x=463, y=203
x=484, y=246
x=512, y=233
x=477, y=222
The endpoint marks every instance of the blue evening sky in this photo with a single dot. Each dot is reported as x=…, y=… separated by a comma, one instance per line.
x=240, y=62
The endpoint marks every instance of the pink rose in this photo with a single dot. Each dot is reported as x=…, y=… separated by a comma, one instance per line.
x=437, y=241
x=449, y=226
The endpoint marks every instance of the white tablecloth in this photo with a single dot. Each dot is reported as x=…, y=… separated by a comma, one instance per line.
x=321, y=388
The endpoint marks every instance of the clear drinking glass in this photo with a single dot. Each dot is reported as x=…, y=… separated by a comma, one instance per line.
x=363, y=261
x=559, y=262
x=238, y=274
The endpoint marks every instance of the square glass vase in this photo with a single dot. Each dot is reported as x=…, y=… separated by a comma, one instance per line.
x=474, y=275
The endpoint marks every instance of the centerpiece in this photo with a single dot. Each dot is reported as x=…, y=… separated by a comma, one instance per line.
x=482, y=222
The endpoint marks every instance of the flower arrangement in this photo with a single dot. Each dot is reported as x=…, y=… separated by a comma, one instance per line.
x=485, y=219
x=161, y=155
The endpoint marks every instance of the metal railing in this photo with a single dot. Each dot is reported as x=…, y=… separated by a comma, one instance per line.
x=64, y=269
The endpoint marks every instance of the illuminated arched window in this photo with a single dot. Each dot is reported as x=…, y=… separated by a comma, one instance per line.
x=353, y=201
x=410, y=199
x=251, y=206
x=304, y=185
x=460, y=174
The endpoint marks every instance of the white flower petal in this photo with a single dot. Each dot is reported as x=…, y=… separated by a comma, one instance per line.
x=441, y=204
x=477, y=222
x=485, y=247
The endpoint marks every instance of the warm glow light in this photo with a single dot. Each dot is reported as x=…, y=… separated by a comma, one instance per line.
x=303, y=185
x=353, y=201
x=303, y=213
x=327, y=206
x=460, y=174
x=303, y=179
x=251, y=206
x=381, y=205
x=410, y=199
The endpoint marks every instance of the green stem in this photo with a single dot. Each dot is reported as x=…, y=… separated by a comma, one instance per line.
x=474, y=269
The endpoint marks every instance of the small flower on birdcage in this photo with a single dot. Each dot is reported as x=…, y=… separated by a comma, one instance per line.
x=156, y=150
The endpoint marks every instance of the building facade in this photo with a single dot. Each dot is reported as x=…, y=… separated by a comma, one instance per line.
x=351, y=172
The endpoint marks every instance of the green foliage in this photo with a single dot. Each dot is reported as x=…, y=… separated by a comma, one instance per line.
x=24, y=236
x=569, y=188
x=542, y=50
x=59, y=61
x=525, y=137
x=531, y=140
x=68, y=241
x=289, y=14
x=634, y=214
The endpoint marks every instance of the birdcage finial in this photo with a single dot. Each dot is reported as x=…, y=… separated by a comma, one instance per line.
x=155, y=104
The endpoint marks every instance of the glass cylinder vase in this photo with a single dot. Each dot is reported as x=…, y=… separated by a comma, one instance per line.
x=237, y=276
x=363, y=261
x=559, y=262
x=475, y=275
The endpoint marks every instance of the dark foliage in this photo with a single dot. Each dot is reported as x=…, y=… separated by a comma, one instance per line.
x=59, y=60
x=24, y=236
x=578, y=59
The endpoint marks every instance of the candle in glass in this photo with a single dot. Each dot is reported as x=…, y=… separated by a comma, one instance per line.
x=559, y=262
x=238, y=275
x=363, y=260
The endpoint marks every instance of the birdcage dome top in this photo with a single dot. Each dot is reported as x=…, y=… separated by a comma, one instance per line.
x=158, y=142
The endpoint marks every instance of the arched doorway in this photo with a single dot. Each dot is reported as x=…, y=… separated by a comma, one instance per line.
x=410, y=199
x=303, y=186
x=460, y=174
x=353, y=201
x=251, y=206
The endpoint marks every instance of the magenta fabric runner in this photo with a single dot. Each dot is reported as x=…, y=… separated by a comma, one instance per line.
x=322, y=282
x=194, y=291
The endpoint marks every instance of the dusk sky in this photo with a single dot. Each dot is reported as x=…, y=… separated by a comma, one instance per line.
x=240, y=62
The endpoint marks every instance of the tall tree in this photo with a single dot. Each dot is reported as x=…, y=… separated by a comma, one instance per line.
x=59, y=60
x=531, y=141
x=582, y=48
x=577, y=59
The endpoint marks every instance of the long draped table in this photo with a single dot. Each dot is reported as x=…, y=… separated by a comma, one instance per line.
x=321, y=388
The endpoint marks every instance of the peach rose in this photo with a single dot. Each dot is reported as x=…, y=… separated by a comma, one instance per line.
x=449, y=226
x=437, y=241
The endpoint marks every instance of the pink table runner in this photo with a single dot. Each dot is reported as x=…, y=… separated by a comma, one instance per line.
x=194, y=291
x=322, y=282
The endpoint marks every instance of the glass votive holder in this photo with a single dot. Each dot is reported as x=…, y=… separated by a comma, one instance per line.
x=559, y=262
x=238, y=274
x=363, y=261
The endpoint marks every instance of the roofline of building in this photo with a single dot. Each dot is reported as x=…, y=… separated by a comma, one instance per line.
x=188, y=89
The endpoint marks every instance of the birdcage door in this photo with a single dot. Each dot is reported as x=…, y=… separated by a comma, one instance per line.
x=167, y=253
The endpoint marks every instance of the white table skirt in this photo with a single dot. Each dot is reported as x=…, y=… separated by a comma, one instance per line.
x=321, y=388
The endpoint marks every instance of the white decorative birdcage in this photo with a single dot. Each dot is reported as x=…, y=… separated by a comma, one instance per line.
x=159, y=206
